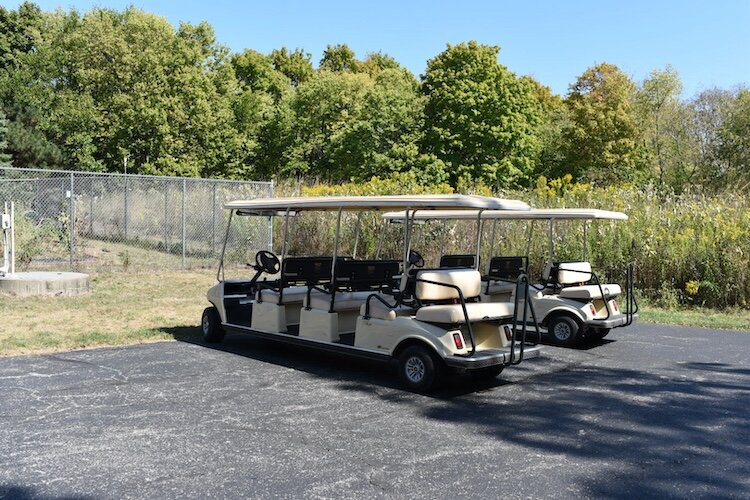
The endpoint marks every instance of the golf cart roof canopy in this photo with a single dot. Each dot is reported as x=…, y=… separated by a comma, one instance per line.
x=454, y=202
x=533, y=214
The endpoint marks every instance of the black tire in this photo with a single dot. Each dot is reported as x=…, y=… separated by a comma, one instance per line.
x=419, y=369
x=211, y=326
x=487, y=373
x=563, y=330
x=599, y=333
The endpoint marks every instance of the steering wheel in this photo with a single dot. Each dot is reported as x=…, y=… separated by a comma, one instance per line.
x=415, y=259
x=267, y=262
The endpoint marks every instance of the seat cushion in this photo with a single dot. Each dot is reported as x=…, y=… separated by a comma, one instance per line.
x=291, y=295
x=346, y=301
x=453, y=313
x=498, y=287
x=573, y=272
x=468, y=280
x=381, y=311
x=590, y=292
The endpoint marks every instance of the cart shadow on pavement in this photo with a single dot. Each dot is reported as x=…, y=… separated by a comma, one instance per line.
x=351, y=373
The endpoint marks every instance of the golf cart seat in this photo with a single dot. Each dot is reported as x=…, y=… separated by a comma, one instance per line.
x=591, y=292
x=435, y=287
x=289, y=295
x=498, y=287
x=566, y=274
x=342, y=301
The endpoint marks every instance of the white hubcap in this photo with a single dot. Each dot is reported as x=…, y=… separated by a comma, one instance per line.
x=205, y=324
x=415, y=369
x=562, y=331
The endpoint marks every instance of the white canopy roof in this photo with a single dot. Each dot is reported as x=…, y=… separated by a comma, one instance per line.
x=533, y=214
x=455, y=202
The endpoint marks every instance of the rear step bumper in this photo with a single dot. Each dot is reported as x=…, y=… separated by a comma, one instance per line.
x=491, y=357
x=611, y=323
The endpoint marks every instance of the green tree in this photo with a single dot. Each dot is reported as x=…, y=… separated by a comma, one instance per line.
x=479, y=118
x=553, y=120
x=385, y=137
x=257, y=74
x=322, y=112
x=735, y=142
x=147, y=92
x=658, y=107
x=708, y=111
x=375, y=62
x=296, y=64
x=339, y=58
x=4, y=157
x=602, y=139
x=20, y=32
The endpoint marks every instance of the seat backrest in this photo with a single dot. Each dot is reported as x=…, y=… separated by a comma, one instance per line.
x=468, y=260
x=308, y=270
x=567, y=273
x=506, y=268
x=366, y=274
x=469, y=281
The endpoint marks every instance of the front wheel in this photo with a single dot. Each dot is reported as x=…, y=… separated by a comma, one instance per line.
x=418, y=368
x=563, y=330
x=211, y=326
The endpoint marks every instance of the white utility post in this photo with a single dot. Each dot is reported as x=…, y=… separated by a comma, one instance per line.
x=9, y=240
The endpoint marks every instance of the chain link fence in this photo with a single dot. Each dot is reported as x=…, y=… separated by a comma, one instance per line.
x=97, y=222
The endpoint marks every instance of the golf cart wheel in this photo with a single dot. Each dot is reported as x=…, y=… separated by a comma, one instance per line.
x=487, y=373
x=563, y=330
x=211, y=325
x=418, y=368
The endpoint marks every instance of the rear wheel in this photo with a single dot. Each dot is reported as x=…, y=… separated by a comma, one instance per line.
x=487, y=373
x=211, y=325
x=418, y=368
x=599, y=333
x=563, y=330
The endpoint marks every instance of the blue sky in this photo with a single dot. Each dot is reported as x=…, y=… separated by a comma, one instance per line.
x=707, y=42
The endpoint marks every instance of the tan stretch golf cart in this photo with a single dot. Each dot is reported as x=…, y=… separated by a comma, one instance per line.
x=428, y=320
x=569, y=302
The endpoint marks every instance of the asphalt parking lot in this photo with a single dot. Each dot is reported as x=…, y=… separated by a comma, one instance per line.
x=653, y=411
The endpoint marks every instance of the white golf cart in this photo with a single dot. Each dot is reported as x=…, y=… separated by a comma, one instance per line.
x=428, y=320
x=570, y=303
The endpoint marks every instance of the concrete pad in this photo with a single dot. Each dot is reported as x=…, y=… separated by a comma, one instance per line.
x=44, y=283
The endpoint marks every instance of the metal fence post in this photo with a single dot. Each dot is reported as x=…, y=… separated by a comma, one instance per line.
x=213, y=216
x=184, y=189
x=72, y=221
x=126, y=215
x=166, y=218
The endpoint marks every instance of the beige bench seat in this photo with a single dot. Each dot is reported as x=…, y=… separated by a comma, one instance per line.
x=291, y=295
x=346, y=301
x=498, y=287
x=454, y=314
x=590, y=292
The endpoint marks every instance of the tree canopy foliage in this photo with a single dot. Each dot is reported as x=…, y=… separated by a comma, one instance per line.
x=97, y=89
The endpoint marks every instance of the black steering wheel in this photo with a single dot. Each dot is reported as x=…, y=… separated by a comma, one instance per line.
x=267, y=262
x=415, y=259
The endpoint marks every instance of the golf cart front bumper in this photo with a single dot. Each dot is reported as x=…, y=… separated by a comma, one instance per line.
x=621, y=320
x=491, y=357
